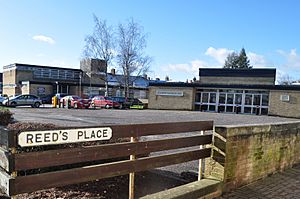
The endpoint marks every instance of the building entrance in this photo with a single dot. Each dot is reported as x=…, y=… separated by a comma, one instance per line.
x=232, y=101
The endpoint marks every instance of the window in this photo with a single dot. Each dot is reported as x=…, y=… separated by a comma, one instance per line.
x=248, y=100
x=229, y=98
x=212, y=98
x=204, y=97
x=256, y=100
x=238, y=99
x=222, y=98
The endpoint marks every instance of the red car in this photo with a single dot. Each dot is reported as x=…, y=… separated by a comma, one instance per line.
x=75, y=101
x=104, y=102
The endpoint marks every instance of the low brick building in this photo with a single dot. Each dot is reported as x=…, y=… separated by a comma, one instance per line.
x=238, y=91
x=48, y=80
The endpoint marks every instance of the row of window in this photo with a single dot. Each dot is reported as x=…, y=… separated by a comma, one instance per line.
x=46, y=73
x=236, y=98
x=247, y=101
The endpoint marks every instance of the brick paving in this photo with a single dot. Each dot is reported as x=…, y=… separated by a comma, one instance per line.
x=280, y=185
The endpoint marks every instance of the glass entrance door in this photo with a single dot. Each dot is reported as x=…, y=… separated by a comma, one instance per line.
x=233, y=101
x=208, y=101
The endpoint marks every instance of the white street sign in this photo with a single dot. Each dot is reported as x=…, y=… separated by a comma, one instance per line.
x=39, y=138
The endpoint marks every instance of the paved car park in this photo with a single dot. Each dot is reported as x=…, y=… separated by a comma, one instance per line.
x=83, y=117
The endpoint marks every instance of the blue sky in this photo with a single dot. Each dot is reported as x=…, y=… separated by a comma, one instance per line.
x=184, y=35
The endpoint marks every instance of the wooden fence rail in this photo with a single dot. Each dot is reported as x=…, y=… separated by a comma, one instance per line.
x=64, y=166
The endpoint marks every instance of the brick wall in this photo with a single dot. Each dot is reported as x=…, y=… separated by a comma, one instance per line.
x=47, y=89
x=185, y=102
x=290, y=108
x=9, y=77
x=237, y=80
x=253, y=152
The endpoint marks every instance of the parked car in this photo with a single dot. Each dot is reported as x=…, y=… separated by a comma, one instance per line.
x=2, y=99
x=104, y=102
x=47, y=99
x=23, y=100
x=123, y=101
x=137, y=104
x=75, y=101
x=4, y=95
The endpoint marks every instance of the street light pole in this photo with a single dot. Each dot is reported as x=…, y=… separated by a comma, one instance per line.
x=80, y=75
x=57, y=87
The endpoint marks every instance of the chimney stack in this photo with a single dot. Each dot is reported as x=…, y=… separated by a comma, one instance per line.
x=113, y=71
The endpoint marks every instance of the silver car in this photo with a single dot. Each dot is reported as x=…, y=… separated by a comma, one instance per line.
x=2, y=99
x=23, y=100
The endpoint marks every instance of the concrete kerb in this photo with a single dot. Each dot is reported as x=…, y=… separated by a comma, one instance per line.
x=205, y=188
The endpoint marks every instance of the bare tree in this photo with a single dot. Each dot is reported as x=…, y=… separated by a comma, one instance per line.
x=100, y=45
x=131, y=59
x=285, y=79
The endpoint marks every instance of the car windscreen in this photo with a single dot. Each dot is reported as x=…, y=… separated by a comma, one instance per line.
x=76, y=97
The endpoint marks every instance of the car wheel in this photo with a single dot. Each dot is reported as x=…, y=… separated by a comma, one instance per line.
x=76, y=106
x=36, y=105
x=107, y=106
x=121, y=106
x=13, y=104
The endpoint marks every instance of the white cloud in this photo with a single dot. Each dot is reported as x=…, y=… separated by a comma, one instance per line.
x=178, y=68
x=191, y=68
x=43, y=38
x=257, y=61
x=218, y=54
x=292, y=58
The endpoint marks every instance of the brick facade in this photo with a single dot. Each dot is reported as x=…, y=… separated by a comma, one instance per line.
x=290, y=108
x=253, y=152
x=185, y=102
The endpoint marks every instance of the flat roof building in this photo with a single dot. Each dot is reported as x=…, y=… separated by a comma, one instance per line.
x=240, y=91
x=88, y=80
x=237, y=76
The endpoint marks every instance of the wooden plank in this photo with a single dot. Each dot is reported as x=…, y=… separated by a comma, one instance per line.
x=50, y=158
x=23, y=184
x=218, y=157
x=137, y=130
x=220, y=144
x=5, y=182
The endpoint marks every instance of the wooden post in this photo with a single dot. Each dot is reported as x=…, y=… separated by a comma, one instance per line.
x=200, y=161
x=131, y=175
x=14, y=174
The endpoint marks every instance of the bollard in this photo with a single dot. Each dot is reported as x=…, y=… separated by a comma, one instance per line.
x=257, y=110
x=69, y=103
x=63, y=103
x=237, y=109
